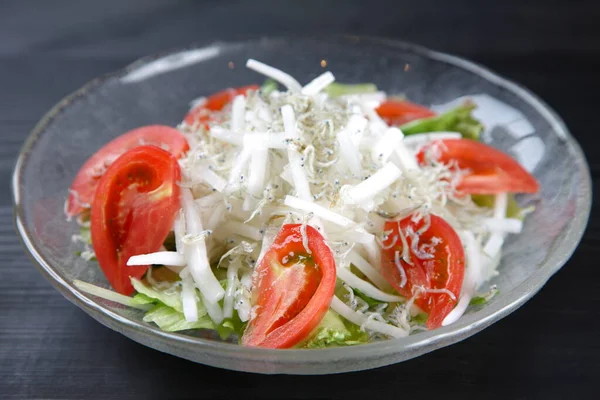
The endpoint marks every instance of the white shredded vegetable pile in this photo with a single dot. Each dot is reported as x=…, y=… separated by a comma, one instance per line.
x=299, y=155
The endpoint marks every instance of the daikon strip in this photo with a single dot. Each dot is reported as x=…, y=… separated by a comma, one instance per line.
x=195, y=252
x=503, y=225
x=160, y=257
x=188, y=297
x=371, y=186
x=318, y=84
x=275, y=74
x=370, y=272
x=472, y=280
x=109, y=295
x=363, y=320
x=367, y=288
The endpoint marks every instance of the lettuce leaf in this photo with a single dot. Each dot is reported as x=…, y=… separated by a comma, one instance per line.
x=167, y=312
x=336, y=89
x=513, y=210
x=459, y=120
x=170, y=297
x=334, y=331
x=268, y=87
x=170, y=320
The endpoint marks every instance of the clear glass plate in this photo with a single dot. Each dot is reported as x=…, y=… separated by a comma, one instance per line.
x=158, y=89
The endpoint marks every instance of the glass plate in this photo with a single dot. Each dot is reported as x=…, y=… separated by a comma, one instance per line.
x=158, y=89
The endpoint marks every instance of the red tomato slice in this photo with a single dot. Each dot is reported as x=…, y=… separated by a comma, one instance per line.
x=133, y=211
x=215, y=102
x=85, y=182
x=399, y=112
x=489, y=170
x=439, y=264
x=292, y=289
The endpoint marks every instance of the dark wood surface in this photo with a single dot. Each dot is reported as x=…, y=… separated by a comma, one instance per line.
x=50, y=349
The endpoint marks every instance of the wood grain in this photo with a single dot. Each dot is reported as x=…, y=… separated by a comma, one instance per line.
x=51, y=349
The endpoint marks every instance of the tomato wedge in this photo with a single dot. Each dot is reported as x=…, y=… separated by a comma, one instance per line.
x=201, y=114
x=438, y=262
x=133, y=211
x=489, y=170
x=399, y=112
x=85, y=182
x=292, y=289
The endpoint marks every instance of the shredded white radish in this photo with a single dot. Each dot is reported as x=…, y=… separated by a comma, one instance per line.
x=371, y=186
x=417, y=140
x=500, y=205
x=262, y=140
x=172, y=258
x=206, y=175
x=210, y=200
x=363, y=320
x=472, y=279
x=196, y=255
x=503, y=225
x=372, y=251
x=349, y=152
x=494, y=244
x=496, y=240
x=242, y=304
x=318, y=84
x=384, y=147
x=179, y=231
x=232, y=272
x=319, y=211
x=275, y=74
x=235, y=176
x=256, y=173
x=238, y=108
x=370, y=272
x=213, y=309
x=226, y=135
x=354, y=281
x=242, y=229
x=188, y=297
x=108, y=295
x=295, y=160
x=407, y=160
x=216, y=217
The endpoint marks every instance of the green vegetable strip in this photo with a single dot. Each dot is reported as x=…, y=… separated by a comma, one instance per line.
x=343, y=89
x=458, y=120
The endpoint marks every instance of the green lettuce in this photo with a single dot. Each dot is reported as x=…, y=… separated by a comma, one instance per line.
x=85, y=234
x=459, y=120
x=268, y=87
x=334, y=331
x=170, y=320
x=513, y=210
x=484, y=298
x=167, y=312
x=169, y=297
x=336, y=89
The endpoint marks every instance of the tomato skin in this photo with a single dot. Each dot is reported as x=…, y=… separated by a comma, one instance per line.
x=400, y=112
x=215, y=102
x=133, y=211
x=282, y=321
x=85, y=182
x=491, y=170
x=445, y=270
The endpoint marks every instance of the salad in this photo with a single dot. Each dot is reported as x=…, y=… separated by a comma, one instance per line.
x=290, y=216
